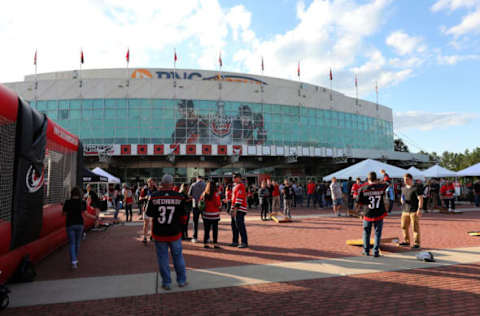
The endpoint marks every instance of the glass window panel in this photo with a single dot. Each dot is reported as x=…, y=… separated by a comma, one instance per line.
x=52, y=105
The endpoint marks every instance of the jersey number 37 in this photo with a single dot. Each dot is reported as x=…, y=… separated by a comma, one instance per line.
x=374, y=202
x=166, y=214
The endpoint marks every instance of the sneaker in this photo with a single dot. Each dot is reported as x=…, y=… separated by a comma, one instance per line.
x=364, y=253
x=74, y=265
x=206, y=246
x=183, y=284
x=166, y=287
x=243, y=246
x=376, y=254
x=233, y=244
x=415, y=246
x=194, y=240
x=404, y=244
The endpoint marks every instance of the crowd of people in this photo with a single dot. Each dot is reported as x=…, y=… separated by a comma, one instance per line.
x=166, y=209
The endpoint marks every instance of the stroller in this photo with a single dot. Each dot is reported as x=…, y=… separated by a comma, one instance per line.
x=4, y=299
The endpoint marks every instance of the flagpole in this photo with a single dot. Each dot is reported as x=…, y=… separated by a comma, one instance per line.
x=376, y=91
x=36, y=76
x=331, y=88
x=174, y=73
x=80, y=72
x=356, y=89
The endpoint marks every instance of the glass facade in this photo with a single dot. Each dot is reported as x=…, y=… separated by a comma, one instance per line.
x=165, y=121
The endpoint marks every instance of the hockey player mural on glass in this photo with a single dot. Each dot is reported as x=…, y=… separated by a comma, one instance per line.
x=219, y=128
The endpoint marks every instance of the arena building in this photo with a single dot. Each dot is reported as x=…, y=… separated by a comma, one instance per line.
x=139, y=123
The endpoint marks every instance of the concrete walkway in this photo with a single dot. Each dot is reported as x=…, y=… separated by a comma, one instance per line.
x=94, y=288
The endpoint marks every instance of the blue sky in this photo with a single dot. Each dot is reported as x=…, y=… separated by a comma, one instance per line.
x=425, y=55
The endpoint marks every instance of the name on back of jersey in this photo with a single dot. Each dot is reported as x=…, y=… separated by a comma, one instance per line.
x=371, y=193
x=166, y=201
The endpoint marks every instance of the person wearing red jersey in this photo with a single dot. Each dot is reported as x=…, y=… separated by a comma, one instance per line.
x=239, y=210
x=167, y=210
x=372, y=195
x=211, y=214
x=311, y=193
x=354, y=192
x=275, y=197
x=447, y=194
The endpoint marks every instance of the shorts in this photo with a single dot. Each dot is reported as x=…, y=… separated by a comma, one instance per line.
x=338, y=201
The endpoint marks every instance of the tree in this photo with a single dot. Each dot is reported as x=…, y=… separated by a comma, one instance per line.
x=399, y=145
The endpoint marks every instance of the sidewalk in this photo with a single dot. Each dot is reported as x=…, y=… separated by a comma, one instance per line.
x=97, y=288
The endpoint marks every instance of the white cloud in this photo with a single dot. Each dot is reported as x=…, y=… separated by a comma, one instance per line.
x=453, y=4
x=405, y=44
x=330, y=34
x=454, y=59
x=470, y=23
x=426, y=121
x=105, y=29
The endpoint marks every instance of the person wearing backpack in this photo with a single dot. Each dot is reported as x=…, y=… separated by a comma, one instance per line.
x=73, y=210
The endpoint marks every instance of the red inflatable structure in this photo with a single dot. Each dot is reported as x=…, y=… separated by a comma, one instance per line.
x=40, y=162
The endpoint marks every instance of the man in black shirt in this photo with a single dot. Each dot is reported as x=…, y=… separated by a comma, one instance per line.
x=435, y=194
x=476, y=192
x=412, y=203
x=372, y=196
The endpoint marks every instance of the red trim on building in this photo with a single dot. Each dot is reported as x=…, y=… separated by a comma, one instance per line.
x=206, y=149
x=125, y=149
x=191, y=149
x=158, y=149
x=141, y=149
x=176, y=148
x=222, y=149
x=237, y=149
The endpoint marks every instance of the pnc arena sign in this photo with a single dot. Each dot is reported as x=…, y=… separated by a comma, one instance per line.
x=147, y=74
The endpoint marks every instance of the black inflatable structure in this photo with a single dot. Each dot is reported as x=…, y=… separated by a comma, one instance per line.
x=39, y=164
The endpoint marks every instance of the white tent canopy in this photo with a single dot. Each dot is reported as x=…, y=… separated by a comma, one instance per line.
x=101, y=172
x=438, y=172
x=472, y=171
x=361, y=170
x=416, y=173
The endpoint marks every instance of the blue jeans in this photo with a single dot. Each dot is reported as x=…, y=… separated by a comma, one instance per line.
x=116, y=205
x=238, y=227
x=367, y=229
x=477, y=200
x=178, y=262
x=74, y=233
x=311, y=197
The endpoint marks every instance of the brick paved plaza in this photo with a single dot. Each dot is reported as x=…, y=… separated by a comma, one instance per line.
x=303, y=267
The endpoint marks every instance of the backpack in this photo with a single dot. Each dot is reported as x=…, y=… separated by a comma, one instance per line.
x=25, y=271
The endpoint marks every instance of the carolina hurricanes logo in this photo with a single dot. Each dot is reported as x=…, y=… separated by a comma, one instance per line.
x=33, y=181
x=220, y=128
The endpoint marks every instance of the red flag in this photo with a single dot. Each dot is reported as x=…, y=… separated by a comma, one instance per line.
x=331, y=75
x=298, y=70
x=35, y=58
x=220, y=60
x=128, y=55
x=376, y=86
x=175, y=56
x=262, y=64
x=82, y=60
